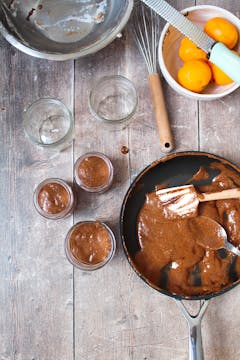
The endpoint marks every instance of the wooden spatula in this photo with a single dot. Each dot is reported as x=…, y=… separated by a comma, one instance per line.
x=182, y=201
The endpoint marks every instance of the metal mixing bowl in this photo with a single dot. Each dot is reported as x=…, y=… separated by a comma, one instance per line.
x=61, y=30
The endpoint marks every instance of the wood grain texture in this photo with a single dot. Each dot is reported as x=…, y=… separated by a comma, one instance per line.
x=183, y=115
x=125, y=319
x=219, y=120
x=36, y=291
x=97, y=293
x=219, y=133
x=50, y=311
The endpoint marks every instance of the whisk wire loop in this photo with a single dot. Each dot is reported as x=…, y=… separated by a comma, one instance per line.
x=146, y=30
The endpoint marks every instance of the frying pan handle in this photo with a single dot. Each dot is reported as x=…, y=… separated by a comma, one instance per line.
x=195, y=342
x=194, y=325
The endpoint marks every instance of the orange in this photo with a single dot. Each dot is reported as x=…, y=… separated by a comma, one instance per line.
x=194, y=75
x=222, y=30
x=219, y=77
x=189, y=51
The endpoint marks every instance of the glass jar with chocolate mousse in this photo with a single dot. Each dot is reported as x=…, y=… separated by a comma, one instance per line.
x=93, y=172
x=54, y=199
x=89, y=245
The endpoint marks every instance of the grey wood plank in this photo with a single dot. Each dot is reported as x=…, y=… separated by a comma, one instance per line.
x=125, y=319
x=116, y=315
x=219, y=128
x=163, y=331
x=36, y=301
x=182, y=114
x=219, y=133
x=96, y=292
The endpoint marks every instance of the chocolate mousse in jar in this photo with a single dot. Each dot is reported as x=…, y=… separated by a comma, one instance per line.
x=93, y=172
x=89, y=245
x=54, y=199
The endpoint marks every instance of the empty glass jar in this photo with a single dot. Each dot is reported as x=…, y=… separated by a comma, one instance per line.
x=48, y=123
x=113, y=99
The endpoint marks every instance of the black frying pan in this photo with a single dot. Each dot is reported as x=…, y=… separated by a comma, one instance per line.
x=175, y=170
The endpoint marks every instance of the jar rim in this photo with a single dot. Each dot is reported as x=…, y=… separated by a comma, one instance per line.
x=94, y=111
x=85, y=266
x=102, y=187
x=58, y=142
x=61, y=214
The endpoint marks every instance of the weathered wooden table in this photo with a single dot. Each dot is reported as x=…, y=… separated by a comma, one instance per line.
x=48, y=310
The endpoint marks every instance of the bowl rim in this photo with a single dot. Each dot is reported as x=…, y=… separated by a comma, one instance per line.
x=172, y=82
x=72, y=55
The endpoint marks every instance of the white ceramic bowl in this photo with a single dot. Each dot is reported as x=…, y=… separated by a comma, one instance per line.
x=169, y=44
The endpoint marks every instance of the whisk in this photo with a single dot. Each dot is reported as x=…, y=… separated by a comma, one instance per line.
x=146, y=30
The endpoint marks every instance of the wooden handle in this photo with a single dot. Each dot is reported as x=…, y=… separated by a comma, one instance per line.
x=161, y=116
x=221, y=195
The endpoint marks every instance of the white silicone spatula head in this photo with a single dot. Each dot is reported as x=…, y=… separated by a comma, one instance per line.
x=182, y=201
